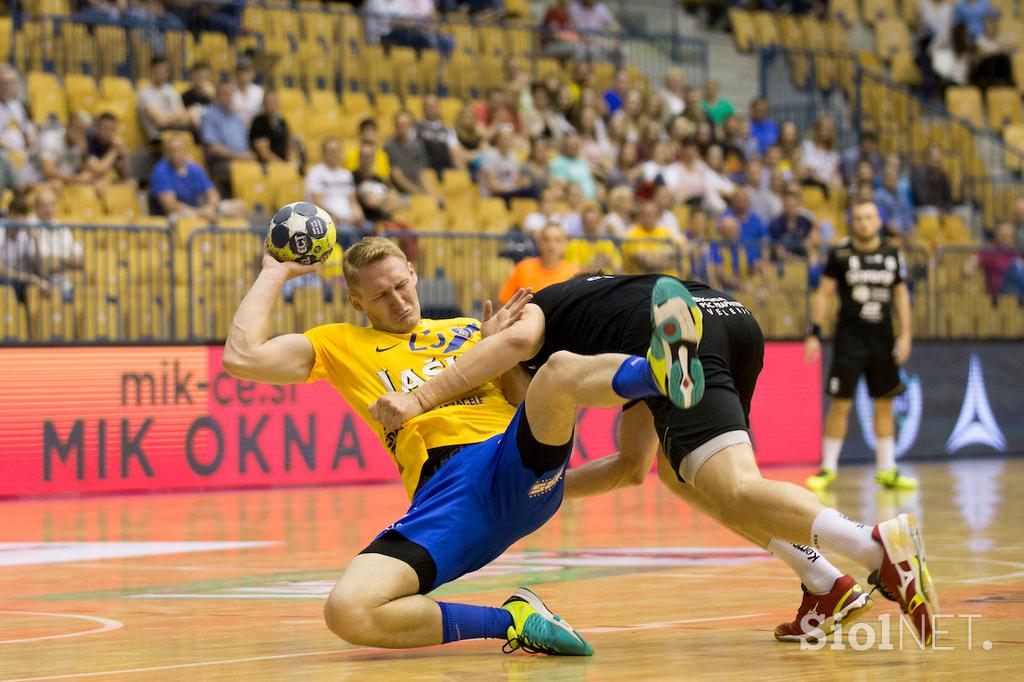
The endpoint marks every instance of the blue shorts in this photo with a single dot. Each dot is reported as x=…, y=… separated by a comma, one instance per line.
x=475, y=506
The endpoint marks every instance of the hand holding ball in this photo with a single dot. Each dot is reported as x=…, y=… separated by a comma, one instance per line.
x=301, y=232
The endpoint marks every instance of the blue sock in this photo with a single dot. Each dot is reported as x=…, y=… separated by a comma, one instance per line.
x=465, y=621
x=634, y=379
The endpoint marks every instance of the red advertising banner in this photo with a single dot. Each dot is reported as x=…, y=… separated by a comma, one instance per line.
x=140, y=419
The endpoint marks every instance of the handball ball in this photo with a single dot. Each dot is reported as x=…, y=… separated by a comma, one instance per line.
x=301, y=232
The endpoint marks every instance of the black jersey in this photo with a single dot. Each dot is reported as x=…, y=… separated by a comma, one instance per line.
x=866, y=281
x=593, y=314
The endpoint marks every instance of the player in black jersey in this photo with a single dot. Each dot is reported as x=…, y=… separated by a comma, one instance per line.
x=869, y=275
x=708, y=458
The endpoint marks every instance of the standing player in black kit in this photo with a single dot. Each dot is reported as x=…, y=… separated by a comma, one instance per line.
x=870, y=277
x=709, y=460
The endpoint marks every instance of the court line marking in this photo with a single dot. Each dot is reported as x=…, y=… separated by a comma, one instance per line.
x=199, y=664
x=106, y=625
x=673, y=623
x=180, y=666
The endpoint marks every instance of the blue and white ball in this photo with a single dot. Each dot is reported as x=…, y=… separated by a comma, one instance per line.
x=301, y=232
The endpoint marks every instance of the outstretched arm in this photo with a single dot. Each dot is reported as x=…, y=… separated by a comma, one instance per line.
x=490, y=358
x=638, y=443
x=248, y=354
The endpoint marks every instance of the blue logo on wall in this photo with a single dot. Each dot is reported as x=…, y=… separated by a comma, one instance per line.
x=906, y=412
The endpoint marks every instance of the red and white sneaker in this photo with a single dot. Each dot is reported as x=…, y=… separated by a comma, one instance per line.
x=819, y=613
x=903, y=576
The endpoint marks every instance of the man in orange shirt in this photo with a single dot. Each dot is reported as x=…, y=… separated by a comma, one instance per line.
x=550, y=267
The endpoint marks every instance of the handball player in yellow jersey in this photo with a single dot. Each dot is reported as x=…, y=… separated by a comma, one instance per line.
x=481, y=474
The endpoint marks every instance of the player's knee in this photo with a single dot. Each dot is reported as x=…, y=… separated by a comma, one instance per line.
x=840, y=407
x=556, y=370
x=349, y=616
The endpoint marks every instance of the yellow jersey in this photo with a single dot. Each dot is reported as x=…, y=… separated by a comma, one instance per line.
x=363, y=363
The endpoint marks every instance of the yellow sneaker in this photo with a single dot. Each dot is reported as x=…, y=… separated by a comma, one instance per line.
x=894, y=480
x=677, y=325
x=821, y=480
x=536, y=630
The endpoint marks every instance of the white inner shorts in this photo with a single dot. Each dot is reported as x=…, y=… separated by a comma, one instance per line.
x=695, y=460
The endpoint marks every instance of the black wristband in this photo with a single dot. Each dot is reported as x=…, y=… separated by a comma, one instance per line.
x=814, y=330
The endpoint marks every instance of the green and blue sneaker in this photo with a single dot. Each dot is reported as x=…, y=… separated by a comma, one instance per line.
x=677, y=326
x=536, y=630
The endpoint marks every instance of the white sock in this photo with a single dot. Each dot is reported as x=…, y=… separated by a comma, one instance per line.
x=885, y=454
x=830, y=448
x=815, y=571
x=837, y=533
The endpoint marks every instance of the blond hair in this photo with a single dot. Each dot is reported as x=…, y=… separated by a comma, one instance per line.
x=367, y=251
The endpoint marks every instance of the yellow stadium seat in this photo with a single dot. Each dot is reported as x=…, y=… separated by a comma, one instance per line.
x=844, y=11
x=742, y=29
x=357, y=104
x=766, y=30
x=81, y=91
x=1004, y=107
x=280, y=171
x=891, y=36
x=965, y=102
x=878, y=10
x=13, y=316
x=243, y=174
x=81, y=200
x=904, y=69
x=450, y=108
x=1013, y=135
x=122, y=200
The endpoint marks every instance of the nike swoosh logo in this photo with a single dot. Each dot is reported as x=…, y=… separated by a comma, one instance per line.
x=381, y=350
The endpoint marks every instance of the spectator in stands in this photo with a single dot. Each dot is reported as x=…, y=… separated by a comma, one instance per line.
x=1003, y=264
x=738, y=143
x=731, y=264
x=693, y=185
x=866, y=150
x=180, y=188
x=225, y=137
x=694, y=111
x=9, y=179
x=548, y=267
x=620, y=212
x=789, y=139
x=762, y=127
x=545, y=120
x=665, y=201
x=572, y=217
x=55, y=251
x=935, y=19
x=107, y=151
x=597, y=149
x=559, y=38
x=160, y=105
x=719, y=187
x=17, y=134
x=373, y=191
x=650, y=247
x=628, y=169
x=407, y=156
x=549, y=211
x=537, y=166
x=62, y=153
x=972, y=14
x=616, y=95
x=496, y=110
x=572, y=167
x=595, y=252
x=469, y=133
x=992, y=67
x=247, y=99
x=409, y=24
x=673, y=92
x=893, y=204
x=592, y=18
x=929, y=184
x=501, y=173
x=752, y=227
x=951, y=57
x=663, y=168
x=717, y=108
x=439, y=139
x=270, y=136
x=201, y=94
x=789, y=231
x=17, y=249
x=369, y=134
x=764, y=201
x=820, y=160
x=332, y=186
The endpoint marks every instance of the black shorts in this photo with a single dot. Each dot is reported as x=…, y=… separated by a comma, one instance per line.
x=732, y=352
x=870, y=355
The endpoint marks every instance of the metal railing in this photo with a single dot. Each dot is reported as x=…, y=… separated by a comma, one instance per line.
x=101, y=284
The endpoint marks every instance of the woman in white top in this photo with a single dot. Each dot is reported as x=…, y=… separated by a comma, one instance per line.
x=620, y=212
x=595, y=145
x=693, y=174
x=819, y=163
x=719, y=187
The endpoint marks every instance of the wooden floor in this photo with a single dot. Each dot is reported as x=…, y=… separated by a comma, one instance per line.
x=230, y=586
